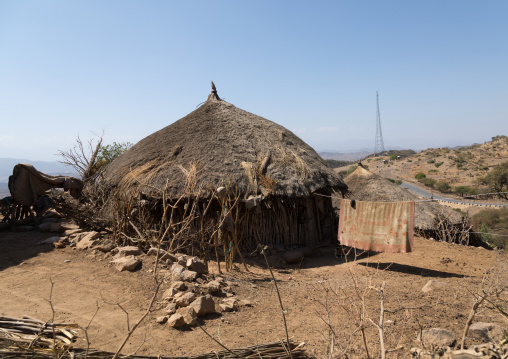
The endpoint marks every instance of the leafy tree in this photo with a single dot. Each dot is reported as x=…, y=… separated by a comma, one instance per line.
x=497, y=179
x=393, y=157
x=429, y=182
x=465, y=190
x=420, y=175
x=107, y=153
x=443, y=186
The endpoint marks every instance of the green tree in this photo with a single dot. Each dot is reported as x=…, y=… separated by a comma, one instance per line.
x=107, y=153
x=443, y=186
x=497, y=179
x=429, y=182
x=420, y=175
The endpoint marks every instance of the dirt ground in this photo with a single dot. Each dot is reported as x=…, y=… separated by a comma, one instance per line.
x=318, y=290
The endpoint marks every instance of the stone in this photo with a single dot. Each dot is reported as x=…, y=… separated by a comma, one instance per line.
x=438, y=337
x=183, y=299
x=45, y=227
x=213, y=286
x=433, y=285
x=169, y=293
x=87, y=240
x=203, y=305
x=181, y=259
x=61, y=243
x=129, y=251
x=294, y=256
x=189, y=275
x=55, y=227
x=229, y=304
x=107, y=246
x=162, y=319
x=486, y=332
x=70, y=232
x=197, y=265
x=65, y=226
x=176, y=320
x=244, y=303
x=176, y=271
x=50, y=240
x=129, y=263
x=170, y=308
x=178, y=285
x=189, y=315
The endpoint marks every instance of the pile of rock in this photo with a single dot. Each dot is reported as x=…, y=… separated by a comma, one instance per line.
x=192, y=293
x=440, y=343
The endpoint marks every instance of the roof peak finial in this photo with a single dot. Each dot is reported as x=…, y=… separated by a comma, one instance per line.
x=213, y=96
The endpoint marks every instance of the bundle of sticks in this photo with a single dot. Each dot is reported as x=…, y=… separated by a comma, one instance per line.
x=34, y=339
x=31, y=335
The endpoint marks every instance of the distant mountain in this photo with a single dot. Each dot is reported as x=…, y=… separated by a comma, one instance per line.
x=353, y=156
x=4, y=190
x=50, y=168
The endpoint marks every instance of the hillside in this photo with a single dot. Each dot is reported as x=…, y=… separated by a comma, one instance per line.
x=458, y=167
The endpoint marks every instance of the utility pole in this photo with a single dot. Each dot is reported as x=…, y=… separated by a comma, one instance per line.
x=379, y=146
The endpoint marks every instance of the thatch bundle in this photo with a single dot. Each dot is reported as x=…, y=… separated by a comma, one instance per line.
x=367, y=186
x=271, y=172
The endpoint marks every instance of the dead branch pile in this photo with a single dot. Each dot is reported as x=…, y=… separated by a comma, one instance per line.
x=34, y=339
x=27, y=335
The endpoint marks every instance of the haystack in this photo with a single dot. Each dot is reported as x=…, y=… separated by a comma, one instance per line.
x=367, y=186
x=273, y=174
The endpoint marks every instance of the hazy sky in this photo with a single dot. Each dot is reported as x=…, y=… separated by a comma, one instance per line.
x=130, y=68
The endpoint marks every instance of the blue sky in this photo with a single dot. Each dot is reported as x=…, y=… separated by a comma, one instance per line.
x=129, y=68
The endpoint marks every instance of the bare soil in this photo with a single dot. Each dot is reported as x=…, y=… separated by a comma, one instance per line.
x=318, y=290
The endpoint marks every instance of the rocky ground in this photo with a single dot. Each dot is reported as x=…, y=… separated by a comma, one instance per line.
x=326, y=300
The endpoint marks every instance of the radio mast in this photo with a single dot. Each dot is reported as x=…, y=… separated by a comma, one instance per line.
x=379, y=146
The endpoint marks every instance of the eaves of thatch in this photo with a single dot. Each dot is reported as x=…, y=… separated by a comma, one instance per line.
x=229, y=147
x=367, y=186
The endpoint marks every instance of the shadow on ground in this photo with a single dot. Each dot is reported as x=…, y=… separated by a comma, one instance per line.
x=16, y=247
x=409, y=269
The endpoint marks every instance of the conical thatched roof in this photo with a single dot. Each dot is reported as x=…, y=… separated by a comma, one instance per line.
x=367, y=186
x=232, y=147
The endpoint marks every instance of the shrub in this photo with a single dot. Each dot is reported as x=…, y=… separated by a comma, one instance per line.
x=438, y=164
x=443, y=186
x=497, y=179
x=351, y=170
x=431, y=161
x=394, y=181
x=410, y=160
x=433, y=171
x=491, y=222
x=393, y=157
x=465, y=190
x=420, y=175
x=429, y=182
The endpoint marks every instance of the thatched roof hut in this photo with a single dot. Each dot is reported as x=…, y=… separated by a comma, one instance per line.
x=367, y=186
x=254, y=158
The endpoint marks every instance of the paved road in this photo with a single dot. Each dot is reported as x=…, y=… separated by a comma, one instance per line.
x=426, y=194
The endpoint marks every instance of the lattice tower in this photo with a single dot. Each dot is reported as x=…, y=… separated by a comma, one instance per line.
x=379, y=146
